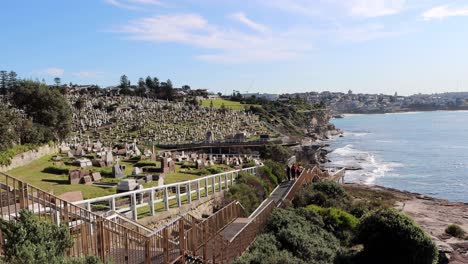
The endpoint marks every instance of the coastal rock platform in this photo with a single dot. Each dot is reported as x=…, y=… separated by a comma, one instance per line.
x=433, y=215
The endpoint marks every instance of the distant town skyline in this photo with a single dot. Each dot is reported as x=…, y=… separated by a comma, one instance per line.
x=275, y=46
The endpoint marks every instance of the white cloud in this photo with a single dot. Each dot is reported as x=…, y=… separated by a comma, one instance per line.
x=444, y=11
x=53, y=71
x=354, y=8
x=87, y=74
x=366, y=33
x=242, y=18
x=223, y=45
x=375, y=8
x=148, y=2
x=133, y=4
x=119, y=4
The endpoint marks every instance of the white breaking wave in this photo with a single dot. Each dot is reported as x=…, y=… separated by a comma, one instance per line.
x=371, y=166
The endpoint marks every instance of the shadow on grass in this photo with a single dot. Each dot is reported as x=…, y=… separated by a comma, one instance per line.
x=63, y=182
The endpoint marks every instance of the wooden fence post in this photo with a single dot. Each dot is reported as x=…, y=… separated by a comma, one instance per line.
x=182, y=238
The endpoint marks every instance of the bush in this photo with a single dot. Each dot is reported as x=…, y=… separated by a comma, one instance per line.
x=455, y=231
x=8, y=154
x=261, y=188
x=266, y=173
x=337, y=221
x=56, y=170
x=391, y=237
x=245, y=194
x=265, y=250
x=324, y=194
x=215, y=170
x=141, y=164
x=277, y=169
x=29, y=240
x=304, y=239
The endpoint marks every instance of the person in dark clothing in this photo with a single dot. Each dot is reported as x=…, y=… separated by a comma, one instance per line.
x=288, y=172
x=293, y=171
x=298, y=171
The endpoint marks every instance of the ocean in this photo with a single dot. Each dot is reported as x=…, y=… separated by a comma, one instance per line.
x=422, y=152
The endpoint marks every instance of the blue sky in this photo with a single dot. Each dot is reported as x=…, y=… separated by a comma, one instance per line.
x=274, y=46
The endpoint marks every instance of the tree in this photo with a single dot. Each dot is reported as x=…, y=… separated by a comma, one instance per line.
x=8, y=120
x=141, y=89
x=12, y=81
x=45, y=106
x=391, y=237
x=185, y=87
x=124, y=82
x=79, y=105
x=3, y=82
x=57, y=81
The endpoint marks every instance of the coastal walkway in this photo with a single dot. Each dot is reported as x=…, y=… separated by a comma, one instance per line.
x=121, y=240
x=275, y=197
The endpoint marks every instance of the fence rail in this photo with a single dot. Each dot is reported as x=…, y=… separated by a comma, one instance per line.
x=180, y=193
x=123, y=241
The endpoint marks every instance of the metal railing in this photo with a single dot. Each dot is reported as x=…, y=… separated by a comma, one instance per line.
x=180, y=193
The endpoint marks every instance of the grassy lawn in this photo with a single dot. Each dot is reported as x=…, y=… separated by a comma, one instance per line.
x=58, y=184
x=229, y=104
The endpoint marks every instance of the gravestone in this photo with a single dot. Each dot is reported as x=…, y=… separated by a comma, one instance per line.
x=96, y=176
x=117, y=171
x=74, y=176
x=136, y=171
x=86, y=180
x=167, y=165
x=127, y=185
x=99, y=163
x=200, y=164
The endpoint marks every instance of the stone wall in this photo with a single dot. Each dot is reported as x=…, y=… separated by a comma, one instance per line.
x=28, y=157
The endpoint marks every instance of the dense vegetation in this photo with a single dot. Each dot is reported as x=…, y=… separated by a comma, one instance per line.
x=30, y=240
x=326, y=224
x=291, y=117
x=251, y=190
x=31, y=114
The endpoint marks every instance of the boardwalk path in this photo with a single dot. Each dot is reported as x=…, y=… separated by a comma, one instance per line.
x=277, y=195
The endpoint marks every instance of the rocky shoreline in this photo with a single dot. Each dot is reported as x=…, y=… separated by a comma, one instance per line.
x=433, y=215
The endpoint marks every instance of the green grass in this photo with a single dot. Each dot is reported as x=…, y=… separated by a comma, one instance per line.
x=217, y=103
x=58, y=184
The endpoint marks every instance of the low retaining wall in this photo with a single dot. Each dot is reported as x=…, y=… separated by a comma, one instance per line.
x=29, y=156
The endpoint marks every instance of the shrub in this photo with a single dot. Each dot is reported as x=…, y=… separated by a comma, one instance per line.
x=277, y=169
x=246, y=195
x=261, y=188
x=215, y=170
x=29, y=240
x=305, y=240
x=141, y=164
x=8, y=154
x=265, y=250
x=455, y=231
x=324, y=194
x=56, y=170
x=266, y=174
x=337, y=221
x=391, y=237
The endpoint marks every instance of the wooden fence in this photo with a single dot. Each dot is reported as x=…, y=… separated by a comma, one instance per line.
x=123, y=241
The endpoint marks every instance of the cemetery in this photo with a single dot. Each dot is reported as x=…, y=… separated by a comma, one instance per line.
x=123, y=119
x=93, y=170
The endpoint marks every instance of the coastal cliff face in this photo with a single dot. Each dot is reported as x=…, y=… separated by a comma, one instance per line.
x=319, y=126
